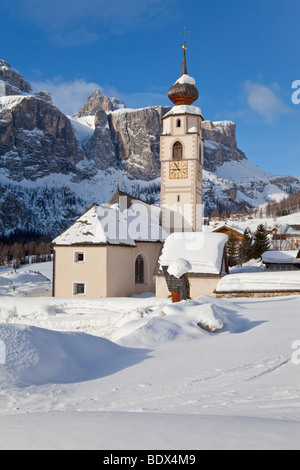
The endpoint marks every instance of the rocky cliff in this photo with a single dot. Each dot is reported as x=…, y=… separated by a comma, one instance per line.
x=52, y=166
x=98, y=101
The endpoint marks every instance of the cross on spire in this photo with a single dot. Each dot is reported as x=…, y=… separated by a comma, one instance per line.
x=184, y=32
x=184, y=47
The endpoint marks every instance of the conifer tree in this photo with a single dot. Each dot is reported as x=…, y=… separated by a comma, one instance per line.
x=261, y=242
x=246, y=246
x=232, y=250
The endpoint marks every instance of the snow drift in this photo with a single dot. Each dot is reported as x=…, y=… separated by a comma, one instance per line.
x=180, y=321
x=36, y=356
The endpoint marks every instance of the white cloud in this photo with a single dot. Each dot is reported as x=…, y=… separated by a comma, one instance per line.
x=265, y=100
x=68, y=96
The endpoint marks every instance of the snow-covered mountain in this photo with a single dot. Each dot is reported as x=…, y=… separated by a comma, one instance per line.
x=53, y=166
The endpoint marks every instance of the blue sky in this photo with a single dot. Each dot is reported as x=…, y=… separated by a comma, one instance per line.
x=244, y=55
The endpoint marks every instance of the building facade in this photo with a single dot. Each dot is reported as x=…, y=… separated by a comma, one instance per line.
x=101, y=254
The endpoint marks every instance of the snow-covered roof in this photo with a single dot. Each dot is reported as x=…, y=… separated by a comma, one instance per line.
x=110, y=225
x=281, y=257
x=184, y=109
x=260, y=282
x=179, y=267
x=225, y=226
x=186, y=79
x=293, y=230
x=204, y=251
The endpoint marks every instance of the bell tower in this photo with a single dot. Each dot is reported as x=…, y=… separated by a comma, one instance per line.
x=181, y=156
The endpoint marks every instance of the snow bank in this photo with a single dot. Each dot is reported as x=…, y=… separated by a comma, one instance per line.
x=209, y=313
x=181, y=321
x=25, y=282
x=35, y=356
x=208, y=316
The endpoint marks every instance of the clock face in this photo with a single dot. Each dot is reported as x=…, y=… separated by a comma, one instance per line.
x=178, y=170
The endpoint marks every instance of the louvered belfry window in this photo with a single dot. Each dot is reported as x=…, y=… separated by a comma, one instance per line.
x=177, y=151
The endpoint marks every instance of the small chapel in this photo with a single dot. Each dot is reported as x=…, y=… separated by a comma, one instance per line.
x=126, y=247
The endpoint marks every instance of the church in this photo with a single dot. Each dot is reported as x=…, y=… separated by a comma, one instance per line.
x=126, y=246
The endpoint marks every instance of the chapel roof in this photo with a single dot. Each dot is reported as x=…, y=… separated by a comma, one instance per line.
x=112, y=225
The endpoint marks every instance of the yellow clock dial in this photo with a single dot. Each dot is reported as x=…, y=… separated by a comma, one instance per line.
x=178, y=170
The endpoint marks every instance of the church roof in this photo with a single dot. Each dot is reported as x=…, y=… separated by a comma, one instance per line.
x=123, y=199
x=109, y=225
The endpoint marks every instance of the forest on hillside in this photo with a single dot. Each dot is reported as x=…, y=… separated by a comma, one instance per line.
x=288, y=205
x=22, y=247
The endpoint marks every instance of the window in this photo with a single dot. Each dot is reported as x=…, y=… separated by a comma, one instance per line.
x=139, y=270
x=177, y=151
x=178, y=123
x=178, y=198
x=79, y=257
x=79, y=288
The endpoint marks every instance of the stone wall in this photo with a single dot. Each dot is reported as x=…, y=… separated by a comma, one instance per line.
x=254, y=295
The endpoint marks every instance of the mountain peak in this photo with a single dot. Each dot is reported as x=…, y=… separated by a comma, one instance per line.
x=98, y=101
x=11, y=81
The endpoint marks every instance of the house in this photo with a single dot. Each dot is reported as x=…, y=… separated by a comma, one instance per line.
x=204, y=251
x=109, y=251
x=281, y=260
x=228, y=230
x=293, y=235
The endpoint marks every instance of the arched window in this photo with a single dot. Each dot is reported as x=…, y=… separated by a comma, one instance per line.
x=177, y=151
x=178, y=123
x=139, y=270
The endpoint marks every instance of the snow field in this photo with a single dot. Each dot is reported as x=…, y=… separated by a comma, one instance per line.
x=139, y=373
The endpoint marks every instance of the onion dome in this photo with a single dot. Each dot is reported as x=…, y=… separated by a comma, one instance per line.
x=183, y=91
